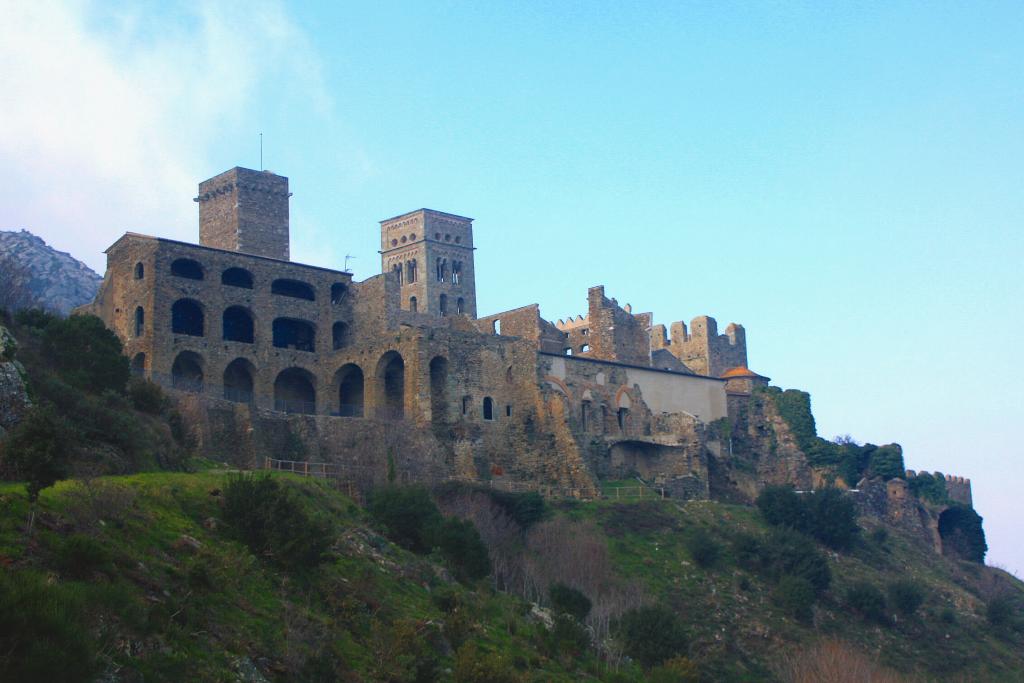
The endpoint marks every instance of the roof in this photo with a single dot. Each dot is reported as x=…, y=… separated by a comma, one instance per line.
x=741, y=371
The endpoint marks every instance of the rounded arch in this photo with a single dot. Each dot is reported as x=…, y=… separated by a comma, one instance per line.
x=290, y=333
x=140, y=321
x=413, y=304
x=139, y=364
x=187, y=268
x=187, y=317
x=339, y=335
x=295, y=391
x=438, y=388
x=351, y=390
x=293, y=288
x=187, y=372
x=236, y=277
x=391, y=380
x=460, y=306
x=238, y=380
x=488, y=408
x=558, y=385
x=338, y=292
x=140, y=271
x=443, y=304
x=238, y=325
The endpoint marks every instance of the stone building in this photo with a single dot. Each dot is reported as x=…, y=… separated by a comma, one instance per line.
x=397, y=372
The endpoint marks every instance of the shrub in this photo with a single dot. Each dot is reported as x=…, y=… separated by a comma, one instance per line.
x=1001, y=612
x=267, y=518
x=86, y=354
x=567, y=638
x=962, y=533
x=651, y=634
x=38, y=450
x=147, y=396
x=906, y=596
x=790, y=553
x=887, y=462
x=525, y=508
x=833, y=519
x=796, y=596
x=41, y=635
x=408, y=515
x=35, y=318
x=460, y=543
x=781, y=506
x=474, y=665
x=865, y=598
x=702, y=548
x=929, y=487
x=569, y=601
x=80, y=556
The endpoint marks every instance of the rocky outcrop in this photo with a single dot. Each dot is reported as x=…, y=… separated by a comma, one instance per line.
x=33, y=273
x=14, y=401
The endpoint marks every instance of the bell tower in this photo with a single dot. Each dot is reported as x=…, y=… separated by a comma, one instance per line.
x=432, y=252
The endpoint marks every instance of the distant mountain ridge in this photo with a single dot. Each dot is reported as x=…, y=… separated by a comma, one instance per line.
x=32, y=273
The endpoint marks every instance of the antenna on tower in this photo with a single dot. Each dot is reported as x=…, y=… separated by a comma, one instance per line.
x=347, y=257
x=261, y=151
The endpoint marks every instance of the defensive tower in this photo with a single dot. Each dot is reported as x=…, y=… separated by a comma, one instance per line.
x=245, y=210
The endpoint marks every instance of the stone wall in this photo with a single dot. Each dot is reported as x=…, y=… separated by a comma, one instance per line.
x=701, y=348
x=245, y=210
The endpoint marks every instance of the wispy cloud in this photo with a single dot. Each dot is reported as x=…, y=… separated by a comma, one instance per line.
x=108, y=116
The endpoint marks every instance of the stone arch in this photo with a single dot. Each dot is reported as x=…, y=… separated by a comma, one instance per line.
x=187, y=372
x=187, y=318
x=622, y=398
x=338, y=292
x=140, y=271
x=339, y=335
x=558, y=385
x=291, y=333
x=236, y=277
x=237, y=325
x=351, y=390
x=293, y=288
x=140, y=321
x=238, y=380
x=391, y=382
x=442, y=304
x=295, y=391
x=139, y=364
x=488, y=408
x=460, y=306
x=413, y=304
x=439, y=388
x=187, y=268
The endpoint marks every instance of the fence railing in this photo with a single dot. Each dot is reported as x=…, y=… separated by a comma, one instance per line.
x=292, y=406
x=332, y=472
x=631, y=492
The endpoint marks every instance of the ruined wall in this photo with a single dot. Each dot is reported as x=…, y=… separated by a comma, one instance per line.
x=245, y=210
x=525, y=322
x=957, y=488
x=608, y=332
x=701, y=348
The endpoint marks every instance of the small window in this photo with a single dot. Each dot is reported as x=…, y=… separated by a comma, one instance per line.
x=466, y=400
x=140, y=271
x=443, y=304
x=187, y=268
x=410, y=271
x=621, y=416
x=140, y=321
x=488, y=408
x=338, y=292
x=236, y=277
x=567, y=351
x=460, y=306
x=584, y=414
x=413, y=304
x=508, y=410
x=238, y=325
x=397, y=270
x=456, y=272
x=339, y=335
x=585, y=348
x=497, y=326
x=293, y=288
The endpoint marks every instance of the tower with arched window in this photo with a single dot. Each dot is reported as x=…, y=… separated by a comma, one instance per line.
x=431, y=254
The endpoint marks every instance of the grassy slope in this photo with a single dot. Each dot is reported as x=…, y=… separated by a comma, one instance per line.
x=167, y=611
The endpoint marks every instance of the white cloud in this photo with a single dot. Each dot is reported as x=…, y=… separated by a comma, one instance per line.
x=108, y=116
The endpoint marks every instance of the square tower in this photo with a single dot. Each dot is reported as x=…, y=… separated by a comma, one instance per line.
x=245, y=210
x=432, y=254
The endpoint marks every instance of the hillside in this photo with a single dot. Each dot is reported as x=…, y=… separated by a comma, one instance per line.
x=32, y=273
x=139, y=577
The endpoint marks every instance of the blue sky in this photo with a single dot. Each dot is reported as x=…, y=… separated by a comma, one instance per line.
x=844, y=180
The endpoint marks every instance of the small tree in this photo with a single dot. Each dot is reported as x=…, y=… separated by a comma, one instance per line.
x=906, y=596
x=702, y=548
x=87, y=354
x=39, y=451
x=781, y=506
x=569, y=601
x=887, y=462
x=865, y=598
x=833, y=519
x=651, y=634
x=796, y=596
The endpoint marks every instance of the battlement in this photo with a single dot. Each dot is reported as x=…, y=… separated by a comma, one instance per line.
x=700, y=347
x=957, y=488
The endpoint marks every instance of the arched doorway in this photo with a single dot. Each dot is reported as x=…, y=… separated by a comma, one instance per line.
x=295, y=391
x=187, y=372
x=439, y=389
x=238, y=381
x=391, y=380
x=139, y=364
x=238, y=325
x=350, y=390
x=187, y=318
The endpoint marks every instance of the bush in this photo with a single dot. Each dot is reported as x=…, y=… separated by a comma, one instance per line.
x=267, y=518
x=38, y=450
x=567, y=638
x=86, y=354
x=651, y=634
x=460, y=543
x=929, y=487
x=35, y=318
x=865, y=598
x=1001, y=612
x=962, y=533
x=833, y=519
x=525, y=508
x=675, y=670
x=906, y=596
x=887, y=462
x=80, y=556
x=790, y=553
x=41, y=634
x=781, y=506
x=147, y=396
x=473, y=665
x=796, y=596
x=702, y=548
x=569, y=601
x=408, y=515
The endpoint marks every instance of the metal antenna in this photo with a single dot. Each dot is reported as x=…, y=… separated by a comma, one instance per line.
x=261, y=151
x=347, y=257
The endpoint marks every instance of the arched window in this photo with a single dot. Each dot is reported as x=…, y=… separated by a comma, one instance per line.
x=497, y=326
x=140, y=271
x=139, y=364
x=237, y=325
x=584, y=414
x=238, y=381
x=442, y=268
x=456, y=272
x=567, y=350
x=460, y=306
x=350, y=390
x=412, y=304
x=397, y=270
x=391, y=378
x=410, y=271
x=443, y=304
x=338, y=292
x=339, y=335
x=140, y=321
x=187, y=372
x=295, y=391
x=187, y=318
x=622, y=417
x=585, y=348
x=508, y=410
x=488, y=408
x=236, y=277
x=293, y=288
x=290, y=333
x=187, y=268
x=508, y=374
